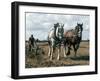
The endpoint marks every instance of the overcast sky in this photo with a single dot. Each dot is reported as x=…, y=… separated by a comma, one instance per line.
x=39, y=24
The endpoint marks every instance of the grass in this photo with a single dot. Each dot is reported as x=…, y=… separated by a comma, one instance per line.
x=41, y=59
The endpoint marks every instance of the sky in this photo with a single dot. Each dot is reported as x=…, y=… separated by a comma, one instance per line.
x=40, y=24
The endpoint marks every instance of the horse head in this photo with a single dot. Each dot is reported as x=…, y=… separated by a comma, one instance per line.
x=60, y=31
x=79, y=29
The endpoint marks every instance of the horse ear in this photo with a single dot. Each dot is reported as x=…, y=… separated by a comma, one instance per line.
x=77, y=23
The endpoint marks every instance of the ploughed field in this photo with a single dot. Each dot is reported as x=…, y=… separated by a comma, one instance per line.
x=41, y=59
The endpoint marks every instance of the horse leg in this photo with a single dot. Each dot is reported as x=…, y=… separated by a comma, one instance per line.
x=75, y=49
x=65, y=50
x=77, y=46
x=69, y=47
x=49, y=51
x=58, y=53
x=52, y=50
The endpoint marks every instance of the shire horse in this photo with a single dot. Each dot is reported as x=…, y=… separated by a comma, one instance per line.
x=55, y=37
x=73, y=37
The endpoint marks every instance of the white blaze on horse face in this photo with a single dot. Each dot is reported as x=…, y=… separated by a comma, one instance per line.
x=59, y=31
x=79, y=33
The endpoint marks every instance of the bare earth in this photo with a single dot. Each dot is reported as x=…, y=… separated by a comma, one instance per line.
x=41, y=59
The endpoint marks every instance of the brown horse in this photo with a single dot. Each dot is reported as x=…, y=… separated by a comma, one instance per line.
x=73, y=37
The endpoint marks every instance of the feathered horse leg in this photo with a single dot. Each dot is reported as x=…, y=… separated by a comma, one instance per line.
x=64, y=49
x=49, y=51
x=52, y=51
x=58, y=53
